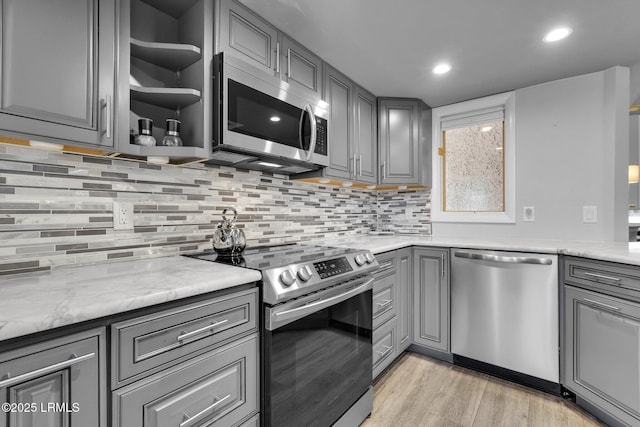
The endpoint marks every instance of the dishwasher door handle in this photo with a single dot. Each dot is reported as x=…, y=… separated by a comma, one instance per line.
x=504, y=259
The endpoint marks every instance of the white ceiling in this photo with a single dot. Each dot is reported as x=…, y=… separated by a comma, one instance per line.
x=390, y=46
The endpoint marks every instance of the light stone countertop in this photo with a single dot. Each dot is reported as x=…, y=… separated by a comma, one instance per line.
x=36, y=302
x=41, y=301
x=622, y=252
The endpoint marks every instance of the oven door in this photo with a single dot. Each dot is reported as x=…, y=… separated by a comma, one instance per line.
x=317, y=356
x=268, y=117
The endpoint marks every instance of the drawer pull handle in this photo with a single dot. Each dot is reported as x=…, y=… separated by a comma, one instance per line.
x=384, y=353
x=186, y=335
x=188, y=421
x=74, y=359
x=384, y=305
x=602, y=305
x=603, y=277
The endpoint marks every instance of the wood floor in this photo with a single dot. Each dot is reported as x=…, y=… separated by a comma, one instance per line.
x=419, y=391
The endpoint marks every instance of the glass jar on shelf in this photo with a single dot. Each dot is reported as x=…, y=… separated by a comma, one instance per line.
x=172, y=135
x=144, y=136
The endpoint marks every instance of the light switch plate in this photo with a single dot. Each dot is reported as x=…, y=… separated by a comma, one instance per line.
x=589, y=214
x=529, y=213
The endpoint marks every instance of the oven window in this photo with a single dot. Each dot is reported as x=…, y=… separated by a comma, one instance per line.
x=317, y=367
x=257, y=114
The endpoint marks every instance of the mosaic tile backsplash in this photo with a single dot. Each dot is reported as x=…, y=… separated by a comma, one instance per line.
x=56, y=209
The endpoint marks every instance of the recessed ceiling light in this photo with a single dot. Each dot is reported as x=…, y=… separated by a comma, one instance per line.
x=486, y=129
x=441, y=68
x=275, y=119
x=557, y=34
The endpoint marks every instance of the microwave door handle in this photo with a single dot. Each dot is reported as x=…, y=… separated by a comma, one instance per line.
x=312, y=120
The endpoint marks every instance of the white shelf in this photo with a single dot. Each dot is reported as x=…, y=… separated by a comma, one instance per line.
x=171, y=98
x=172, y=56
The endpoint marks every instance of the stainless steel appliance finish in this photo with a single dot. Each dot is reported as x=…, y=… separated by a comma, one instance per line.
x=317, y=348
x=261, y=122
x=504, y=310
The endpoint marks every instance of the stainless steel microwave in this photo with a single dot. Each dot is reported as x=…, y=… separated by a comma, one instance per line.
x=261, y=122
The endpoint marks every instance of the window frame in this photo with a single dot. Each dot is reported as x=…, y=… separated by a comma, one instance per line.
x=506, y=100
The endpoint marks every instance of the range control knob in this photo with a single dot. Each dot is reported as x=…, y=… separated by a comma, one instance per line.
x=305, y=273
x=287, y=278
x=359, y=259
x=369, y=257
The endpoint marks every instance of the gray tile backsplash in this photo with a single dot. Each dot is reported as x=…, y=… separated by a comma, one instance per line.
x=56, y=209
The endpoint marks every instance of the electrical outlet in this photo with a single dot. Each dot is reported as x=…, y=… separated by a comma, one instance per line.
x=590, y=214
x=122, y=216
x=529, y=213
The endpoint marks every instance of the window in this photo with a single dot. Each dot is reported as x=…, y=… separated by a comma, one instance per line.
x=474, y=167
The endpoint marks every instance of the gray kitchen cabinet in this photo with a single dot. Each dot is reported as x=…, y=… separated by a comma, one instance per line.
x=58, y=61
x=247, y=36
x=431, y=295
x=384, y=346
x=384, y=312
x=403, y=137
x=392, y=307
x=166, y=50
x=602, y=338
x=299, y=66
x=191, y=365
x=404, y=297
x=60, y=382
x=147, y=344
x=352, y=130
x=338, y=92
x=218, y=388
x=365, y=137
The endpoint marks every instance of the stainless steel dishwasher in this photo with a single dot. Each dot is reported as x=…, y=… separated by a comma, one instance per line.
x=504, y=315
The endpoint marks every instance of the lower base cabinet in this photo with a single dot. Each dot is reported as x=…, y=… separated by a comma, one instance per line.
x=602, y=352
x=218, y=388
x=384, y=346
x=431, y=298
x=56, y=383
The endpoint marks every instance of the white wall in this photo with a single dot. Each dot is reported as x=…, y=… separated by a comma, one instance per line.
x=572, y=139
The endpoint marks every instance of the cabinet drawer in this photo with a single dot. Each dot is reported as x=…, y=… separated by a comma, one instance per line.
x=387, y=262
x=218, y=387
x=143, y=344
x=384, y=290
x=384, y=346
x=618, y=279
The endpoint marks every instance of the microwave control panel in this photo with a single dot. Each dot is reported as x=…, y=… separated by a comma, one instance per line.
x=321, y=136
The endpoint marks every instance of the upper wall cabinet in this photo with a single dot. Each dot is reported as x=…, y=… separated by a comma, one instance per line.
x=165, y=69
x=299, y=66
x=353, y=136
x=247, y=36
x=365, y=136
x=404, y=135
x=338, y=92
x=57, y=70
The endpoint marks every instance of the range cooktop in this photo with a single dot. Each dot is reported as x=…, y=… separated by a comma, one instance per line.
x=291, y=270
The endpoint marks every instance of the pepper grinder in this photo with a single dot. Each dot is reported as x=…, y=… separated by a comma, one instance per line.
x=144, y=137
x=172, y=135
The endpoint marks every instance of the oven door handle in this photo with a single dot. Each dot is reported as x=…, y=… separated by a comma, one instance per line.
x=281, y=318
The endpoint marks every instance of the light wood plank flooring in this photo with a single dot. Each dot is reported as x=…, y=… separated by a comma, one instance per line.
x=419, y=391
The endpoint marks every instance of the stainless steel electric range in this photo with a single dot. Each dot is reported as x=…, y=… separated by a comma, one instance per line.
x=316, y=333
